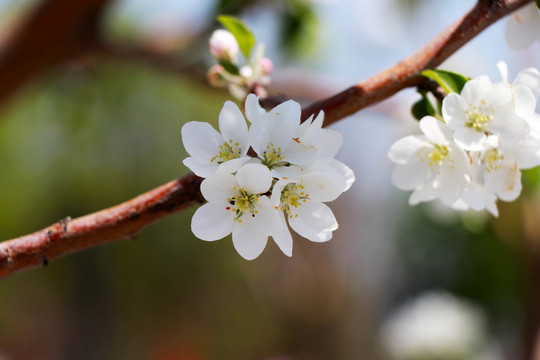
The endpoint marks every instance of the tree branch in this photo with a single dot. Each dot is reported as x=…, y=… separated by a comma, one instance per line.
x=123, y=221
x=407, y=72
x=127, y=219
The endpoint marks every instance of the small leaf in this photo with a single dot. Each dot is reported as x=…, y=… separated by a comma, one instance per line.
x=242, y=34
x=449, y=81
x=423, y=107
x=229, y=67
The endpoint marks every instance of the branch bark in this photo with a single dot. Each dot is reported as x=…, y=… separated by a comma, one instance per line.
x=123, y=221
x=127, y=219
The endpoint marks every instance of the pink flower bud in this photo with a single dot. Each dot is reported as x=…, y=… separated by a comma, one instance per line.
x=223, y=46
x=266, y=66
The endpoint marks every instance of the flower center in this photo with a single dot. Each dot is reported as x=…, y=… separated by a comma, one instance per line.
x=436, y=156
x=242, y=203
x=272, y=156
x=227, y=152
x=478, y=117
x=293, y=195
x=492, y=160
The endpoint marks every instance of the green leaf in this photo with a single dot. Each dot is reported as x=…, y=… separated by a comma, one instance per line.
x=230, y=67
x=449, y=81
x=423, y=107
x=242, y=34
x=538, y=4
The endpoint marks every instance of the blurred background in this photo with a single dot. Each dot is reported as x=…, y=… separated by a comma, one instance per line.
x=102, y=128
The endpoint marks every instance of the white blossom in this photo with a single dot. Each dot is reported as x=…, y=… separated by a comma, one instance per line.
x=523, y=26
x=432, y=165
x=209, y=149
x=484, y=109
x=294, y=164
x=237, y=205
x=272, y=137
x=302, y=201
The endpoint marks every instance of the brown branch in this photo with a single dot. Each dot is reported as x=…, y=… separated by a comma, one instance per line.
x=406, y=73
x=55, y=31
x=119, y=222
x=125, y=220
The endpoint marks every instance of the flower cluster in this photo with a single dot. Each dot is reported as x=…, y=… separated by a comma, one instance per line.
x=259, y=178
x=523, y=27
x=239, y=79
x=472, y=156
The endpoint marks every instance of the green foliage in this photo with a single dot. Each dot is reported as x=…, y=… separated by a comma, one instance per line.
x=423, y=107
x=242, y=34
x=231, y=6
x=299, y=24
x=538, y=3
x=230, y=67
x=449, y=81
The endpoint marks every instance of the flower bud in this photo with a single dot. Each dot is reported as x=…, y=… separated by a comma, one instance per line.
x=223, y=46
x=215, y=76
x=266, y=66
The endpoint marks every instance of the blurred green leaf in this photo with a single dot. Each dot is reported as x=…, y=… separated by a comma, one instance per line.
x=230, y=67
x=538, y=3
x=423, y=107
x=449, y=81
x=299, y=26
x=242, y=34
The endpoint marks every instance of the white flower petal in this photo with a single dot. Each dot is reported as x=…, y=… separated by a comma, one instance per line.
x=524, y=101
x=290, y=173
x=315, y=221
x=450, y=185
x=503, y=69
x=200, y=167
x=453, y=110
x=475, y=90
x=523, y=27
x=259, y=136
x=201, y=140
x=425, y=192
x=531, y=78
x=267, y=219
x=233, y=126
x=248, y=241
x=323, y=187
x=514, y=130
x=345, y=171
x=435, y=130
x=527, y=153
x=212, y=222
x=277, y=190
x=282, y=122
x=299, y=153
x=233, y=165
x=218, y=187
x=405, y=149
x=255, y=178
x=470, y=139
x=253, y=109
x=410, y=176
x=283, y=237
